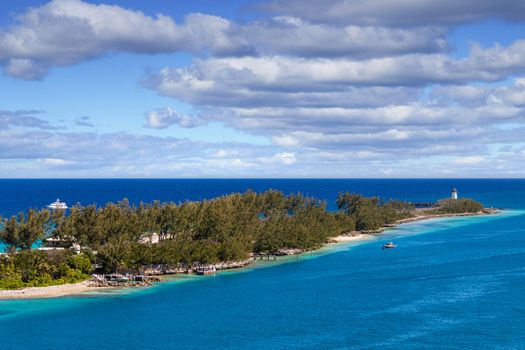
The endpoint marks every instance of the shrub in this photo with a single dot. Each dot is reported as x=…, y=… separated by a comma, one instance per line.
x=80, y=262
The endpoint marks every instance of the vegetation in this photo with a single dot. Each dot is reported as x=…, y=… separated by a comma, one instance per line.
x=370, y=214
x=227, y=228
x=20, y=232
x=458, y=206
x=37, y=268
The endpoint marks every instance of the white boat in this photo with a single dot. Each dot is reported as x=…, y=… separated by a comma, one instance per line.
x=57, y=205
x=389, y=245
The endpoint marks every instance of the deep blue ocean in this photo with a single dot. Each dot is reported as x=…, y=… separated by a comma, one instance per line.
x=454, y=283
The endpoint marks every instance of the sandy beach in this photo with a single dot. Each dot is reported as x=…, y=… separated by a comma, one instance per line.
x=47, y=292
x=357, y=237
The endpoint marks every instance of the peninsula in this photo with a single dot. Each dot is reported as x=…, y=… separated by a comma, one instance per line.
x=88, y=244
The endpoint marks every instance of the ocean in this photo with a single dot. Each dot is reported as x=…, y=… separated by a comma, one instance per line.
x=455, y=283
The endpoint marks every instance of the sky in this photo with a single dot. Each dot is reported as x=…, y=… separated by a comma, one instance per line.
x=262, y=89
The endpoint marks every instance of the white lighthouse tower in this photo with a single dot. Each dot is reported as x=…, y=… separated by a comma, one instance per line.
x=454, y=193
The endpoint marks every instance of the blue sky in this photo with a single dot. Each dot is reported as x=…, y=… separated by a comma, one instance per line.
x=276, y=88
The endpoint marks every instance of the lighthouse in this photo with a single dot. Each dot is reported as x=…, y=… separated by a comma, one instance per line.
x=454, y=193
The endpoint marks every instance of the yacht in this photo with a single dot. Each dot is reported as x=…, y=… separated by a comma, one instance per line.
x=57, y=205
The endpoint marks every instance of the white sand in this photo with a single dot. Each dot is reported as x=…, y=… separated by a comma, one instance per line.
x=46, y=292
x=351, y=238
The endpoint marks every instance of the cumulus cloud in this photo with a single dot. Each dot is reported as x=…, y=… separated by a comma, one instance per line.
x=293, y=36
x=327, y=103
x=166, y=117
x=402, y=13
x=320, y=104
x=332, y=85
x=66, y=32
x=283, y=73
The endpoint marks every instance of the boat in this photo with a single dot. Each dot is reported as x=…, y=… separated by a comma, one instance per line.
x=389, y=245
x=205, y=270
x=57, y=205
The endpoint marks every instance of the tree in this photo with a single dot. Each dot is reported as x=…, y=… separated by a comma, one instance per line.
x=23, y=230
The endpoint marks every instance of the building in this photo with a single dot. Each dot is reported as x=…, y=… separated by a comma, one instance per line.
x=454, y=193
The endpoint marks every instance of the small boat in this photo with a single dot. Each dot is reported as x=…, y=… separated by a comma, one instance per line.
x=57, y=205
x=205, y=270
x=389, y=245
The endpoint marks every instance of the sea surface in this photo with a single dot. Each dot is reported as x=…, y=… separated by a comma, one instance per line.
x=456, y=283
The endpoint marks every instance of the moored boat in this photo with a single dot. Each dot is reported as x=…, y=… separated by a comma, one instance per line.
x=389, y=245
x=205, y=270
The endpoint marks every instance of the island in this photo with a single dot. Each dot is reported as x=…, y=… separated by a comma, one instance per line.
x=121, y=244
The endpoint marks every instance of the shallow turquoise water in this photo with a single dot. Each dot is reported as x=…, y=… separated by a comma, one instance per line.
x=451, y=284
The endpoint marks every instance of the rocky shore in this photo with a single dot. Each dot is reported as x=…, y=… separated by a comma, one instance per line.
x=157, y=270
x=98, y=281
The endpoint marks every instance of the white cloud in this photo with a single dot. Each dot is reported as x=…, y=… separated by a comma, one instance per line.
x=239, y=77
x=293, y=36
x=51, y=153
x=307, y=102
x=472, y=160
x=224, y=153
x=66, y=32
x=166, y=117
x=55, y=162
x=333, y=85
x=286, y=158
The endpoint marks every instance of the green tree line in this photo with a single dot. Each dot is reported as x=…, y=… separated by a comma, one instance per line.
x=227, y=228
x=458, y=206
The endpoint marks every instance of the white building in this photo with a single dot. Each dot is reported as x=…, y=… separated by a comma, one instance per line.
x=454, y=193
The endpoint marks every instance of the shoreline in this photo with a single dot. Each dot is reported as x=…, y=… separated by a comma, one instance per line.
x=423, y=216
x=60, y=290
x=90, y=285
x=367, y=235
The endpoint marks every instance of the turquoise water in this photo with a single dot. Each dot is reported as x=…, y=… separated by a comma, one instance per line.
x=451, y=284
